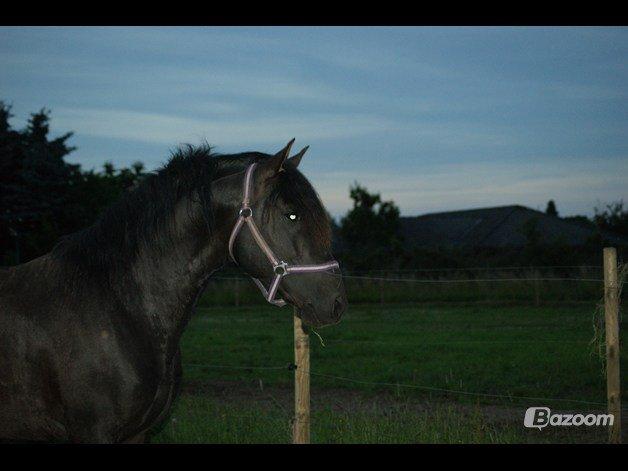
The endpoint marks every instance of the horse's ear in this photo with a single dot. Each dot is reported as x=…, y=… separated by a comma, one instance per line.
x=296, y=159
x=274, y=164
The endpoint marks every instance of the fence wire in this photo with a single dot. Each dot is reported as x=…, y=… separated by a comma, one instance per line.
x=235, y=367
x=425, y=280
x=454, y=391
x=396, y=279
x=292, y=367
x=465, y=280
x=520, y=267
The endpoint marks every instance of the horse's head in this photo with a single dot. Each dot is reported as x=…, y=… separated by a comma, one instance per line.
x=294, y=225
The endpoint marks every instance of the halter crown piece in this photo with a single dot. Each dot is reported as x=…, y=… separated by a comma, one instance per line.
x=280, y=268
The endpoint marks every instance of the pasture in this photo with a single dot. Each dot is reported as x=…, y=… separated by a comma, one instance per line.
x=452, y=373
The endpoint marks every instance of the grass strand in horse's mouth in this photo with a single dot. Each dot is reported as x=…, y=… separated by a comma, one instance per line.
x=319, y=337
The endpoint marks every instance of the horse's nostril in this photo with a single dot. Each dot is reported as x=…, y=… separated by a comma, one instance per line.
x=339, y=307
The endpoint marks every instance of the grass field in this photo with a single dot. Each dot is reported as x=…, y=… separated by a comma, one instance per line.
x=429, y=355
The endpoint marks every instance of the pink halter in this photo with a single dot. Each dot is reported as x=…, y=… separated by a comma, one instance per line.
x=280, y=268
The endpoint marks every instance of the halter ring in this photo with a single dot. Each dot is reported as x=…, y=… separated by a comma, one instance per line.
x=281, y=269
x=246, y=212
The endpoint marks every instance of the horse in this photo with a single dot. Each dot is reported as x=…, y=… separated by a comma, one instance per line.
x=90, y=332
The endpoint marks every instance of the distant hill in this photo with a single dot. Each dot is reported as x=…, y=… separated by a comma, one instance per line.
x=498, y=227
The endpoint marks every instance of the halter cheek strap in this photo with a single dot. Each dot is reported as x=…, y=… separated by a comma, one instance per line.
x=280, y=268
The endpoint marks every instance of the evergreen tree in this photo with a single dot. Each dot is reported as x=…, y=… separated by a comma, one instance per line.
x=42, y=197
x=33, y=185
x=551, y=210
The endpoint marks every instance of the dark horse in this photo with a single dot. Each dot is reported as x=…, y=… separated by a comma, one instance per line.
x=89, y=333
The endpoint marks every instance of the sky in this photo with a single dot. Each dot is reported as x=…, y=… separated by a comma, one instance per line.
x=434, y=118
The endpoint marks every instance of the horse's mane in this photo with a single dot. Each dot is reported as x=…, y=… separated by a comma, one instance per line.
x=144, y=212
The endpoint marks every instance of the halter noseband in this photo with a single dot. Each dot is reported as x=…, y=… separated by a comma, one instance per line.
x=280, y=268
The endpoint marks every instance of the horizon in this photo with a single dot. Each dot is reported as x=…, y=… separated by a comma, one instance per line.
x=436, y=119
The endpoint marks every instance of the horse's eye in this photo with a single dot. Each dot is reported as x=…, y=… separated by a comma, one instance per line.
x=292, y=217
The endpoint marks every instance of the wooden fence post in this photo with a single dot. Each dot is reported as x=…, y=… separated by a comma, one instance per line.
x=301, y=426
x=611, y=317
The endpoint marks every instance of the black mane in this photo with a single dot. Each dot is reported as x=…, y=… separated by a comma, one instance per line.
x=142, y=213
x=141, y=216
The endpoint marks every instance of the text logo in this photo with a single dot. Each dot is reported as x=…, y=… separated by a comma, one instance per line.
x=539, y=417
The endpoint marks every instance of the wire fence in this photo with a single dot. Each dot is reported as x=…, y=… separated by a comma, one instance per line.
x=466, y=280
x=522, y=285
x=418, y=280
x=291, y=367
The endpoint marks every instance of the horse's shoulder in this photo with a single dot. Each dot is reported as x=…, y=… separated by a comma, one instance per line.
x=6, y=273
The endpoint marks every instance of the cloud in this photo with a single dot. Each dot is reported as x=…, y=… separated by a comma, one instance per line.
x=157, y=128
x=260, y=86
x=579, y=91
x=168, y=82
x=396, y=102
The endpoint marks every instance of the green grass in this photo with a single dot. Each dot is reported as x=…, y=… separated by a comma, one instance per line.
x=200, y=419
x=499, y=350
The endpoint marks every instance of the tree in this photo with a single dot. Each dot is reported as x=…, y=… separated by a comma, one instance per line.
x=33, y=183
x=550, y=210
x=370, y=231
x=91, y=192
x=42, y=197
x=612, y=218
x=582, y=221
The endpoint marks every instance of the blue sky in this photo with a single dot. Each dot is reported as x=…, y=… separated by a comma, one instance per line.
x=434, y=118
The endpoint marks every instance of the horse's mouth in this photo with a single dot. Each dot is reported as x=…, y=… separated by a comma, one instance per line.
x=308, y=315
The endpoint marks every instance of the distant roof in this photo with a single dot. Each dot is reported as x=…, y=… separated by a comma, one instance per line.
x=503, y=226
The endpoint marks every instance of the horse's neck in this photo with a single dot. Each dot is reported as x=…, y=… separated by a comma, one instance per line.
x=172, y=278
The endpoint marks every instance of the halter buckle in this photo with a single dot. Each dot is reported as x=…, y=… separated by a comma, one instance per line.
x=281, y=269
